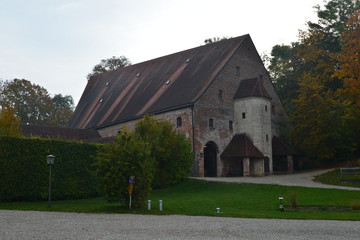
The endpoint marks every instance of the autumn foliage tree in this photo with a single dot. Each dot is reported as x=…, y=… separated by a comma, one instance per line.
x=326, y=119
x=9, y=122
x=33, y=104
x=317, y=78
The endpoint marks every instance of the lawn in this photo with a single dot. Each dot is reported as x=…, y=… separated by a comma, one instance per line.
x=196, y=197
x=333, y=178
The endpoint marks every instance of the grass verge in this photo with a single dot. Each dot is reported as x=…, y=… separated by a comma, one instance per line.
x=196, y=197
x=333, y=178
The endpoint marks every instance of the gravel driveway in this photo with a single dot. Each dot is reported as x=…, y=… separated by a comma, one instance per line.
x=18, y=225
x=296, y=179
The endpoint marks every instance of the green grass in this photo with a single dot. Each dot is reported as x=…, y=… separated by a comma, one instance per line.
x=196, y=197
x=334, y=178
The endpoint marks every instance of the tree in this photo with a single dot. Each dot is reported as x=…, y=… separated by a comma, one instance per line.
x=63, y=109
x=171, y=150
x=325, y=120
x=128, y=156
x=154, y=153
x=214, y=39
x=350, y=59
x=31, y=102
x=287, y=65
x=9, y=123
x=109, y=64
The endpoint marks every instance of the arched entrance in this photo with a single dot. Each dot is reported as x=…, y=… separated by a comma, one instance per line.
x=210, y=159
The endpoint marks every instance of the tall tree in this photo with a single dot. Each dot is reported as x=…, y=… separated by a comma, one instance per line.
x=287, y=64
x=109, y=64
x=31, y=102
x=9, y=122
x=324, y=120
x=63, y=109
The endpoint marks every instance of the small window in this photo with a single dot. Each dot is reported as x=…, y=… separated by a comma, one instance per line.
x=211, y=123
x=267, y=137
x=265, y=108
x=238, y=71
x=220, y=95
x=273, y=109
x=243, y=115
x=178, y=122
x=231, y=125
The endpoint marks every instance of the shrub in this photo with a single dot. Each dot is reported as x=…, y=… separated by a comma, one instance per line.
x=127, y=156
x=155, y=154
x=172, y=151
x=24, y=171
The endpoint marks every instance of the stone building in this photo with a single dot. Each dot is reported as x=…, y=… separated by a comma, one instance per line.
x=219, y=95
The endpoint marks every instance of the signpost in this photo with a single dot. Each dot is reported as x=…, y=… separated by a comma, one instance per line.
x=131, y=188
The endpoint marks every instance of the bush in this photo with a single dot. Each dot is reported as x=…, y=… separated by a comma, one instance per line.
x=128, y=156
x=172, y=151
x=24, y=171
x=155, y=154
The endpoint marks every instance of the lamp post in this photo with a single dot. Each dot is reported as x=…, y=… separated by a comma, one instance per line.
x=50, y=161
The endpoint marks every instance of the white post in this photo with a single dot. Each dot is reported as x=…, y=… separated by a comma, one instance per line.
x=217, y=210
x=149, y=205
x=160, y=205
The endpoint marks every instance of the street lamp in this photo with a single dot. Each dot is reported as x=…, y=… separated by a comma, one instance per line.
x=50, y=161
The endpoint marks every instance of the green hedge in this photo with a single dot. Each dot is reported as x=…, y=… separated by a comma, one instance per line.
x=24, y=172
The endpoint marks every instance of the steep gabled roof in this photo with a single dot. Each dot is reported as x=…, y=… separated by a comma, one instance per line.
x=169, y=82
x=251, y=88
x=241, y=146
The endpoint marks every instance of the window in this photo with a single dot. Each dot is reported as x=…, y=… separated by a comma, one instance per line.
x=243, y=115
x=265, y=108
x=220, y=95
x=211, y=123
x=273, y=109
x=267, y=137
x=231, y=127
x=178, y=122
x=238, y=71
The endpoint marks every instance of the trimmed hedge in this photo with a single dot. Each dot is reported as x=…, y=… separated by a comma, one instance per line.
x=24, y=171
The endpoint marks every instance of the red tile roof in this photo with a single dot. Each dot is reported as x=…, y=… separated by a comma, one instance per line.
x=251, y=88
x=241, y=146
x=170, y=82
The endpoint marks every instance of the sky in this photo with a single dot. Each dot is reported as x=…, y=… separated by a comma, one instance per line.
x=56, y=43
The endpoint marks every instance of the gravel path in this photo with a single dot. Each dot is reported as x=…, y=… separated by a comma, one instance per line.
x=296, y=179
x=15, y=225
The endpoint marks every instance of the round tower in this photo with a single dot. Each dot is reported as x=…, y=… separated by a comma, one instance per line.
x=252, y=116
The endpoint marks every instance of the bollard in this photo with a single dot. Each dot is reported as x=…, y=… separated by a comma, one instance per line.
x=149, y=205
x=281, y=207
x=217, y=210
x=160, y=205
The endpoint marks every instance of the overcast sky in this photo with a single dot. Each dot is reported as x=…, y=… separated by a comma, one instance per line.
x=56, y=43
